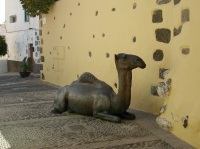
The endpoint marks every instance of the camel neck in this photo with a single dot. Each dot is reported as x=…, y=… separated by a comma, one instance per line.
x=124, y=91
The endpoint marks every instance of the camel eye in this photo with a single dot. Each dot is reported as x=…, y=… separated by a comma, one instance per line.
x=124, y=57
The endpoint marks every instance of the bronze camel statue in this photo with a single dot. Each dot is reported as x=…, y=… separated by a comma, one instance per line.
x=90, y=96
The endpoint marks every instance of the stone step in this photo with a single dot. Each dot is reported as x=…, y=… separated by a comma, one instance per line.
x=21, y=87
x=10, y=84
x=36, y=96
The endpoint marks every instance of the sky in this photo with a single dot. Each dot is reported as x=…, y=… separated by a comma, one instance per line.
x=2, y=11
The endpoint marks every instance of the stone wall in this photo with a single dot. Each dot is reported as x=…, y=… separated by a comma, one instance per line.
x=84, y=35
x=81, y=36
x=180, y=112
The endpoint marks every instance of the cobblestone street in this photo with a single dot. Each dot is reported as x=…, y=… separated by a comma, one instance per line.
x=27, y=123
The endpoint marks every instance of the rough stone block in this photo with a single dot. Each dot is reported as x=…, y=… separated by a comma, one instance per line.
x=163, y=72
x=163, y=89
x=185, y=15
x=185, y=121
x=113, y=9
x=164, y=123
x=178, y=30
x=90, y=54
x=160, y=2
x=176, y=2
x=134, y=39
x=42, y=58
x=41, y=67
x=185, y=51
x=107, y=55
x=154, y=90
x=42, y=76
x=163, y=35
x=40, y=32
x=163, y=109
x=115, y=84
x=96, y=13
x=157, y=16
x=134, y=5
x=158, y=55
x=42, y=42
x=41, y=50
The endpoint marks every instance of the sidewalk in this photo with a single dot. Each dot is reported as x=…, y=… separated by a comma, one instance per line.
x=26, y=123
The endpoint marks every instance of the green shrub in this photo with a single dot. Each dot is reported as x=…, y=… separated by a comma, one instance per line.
x=3, y=46
x=37, y=7
x=25, y=65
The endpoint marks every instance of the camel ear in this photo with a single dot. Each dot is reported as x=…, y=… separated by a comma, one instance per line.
x=116, y=57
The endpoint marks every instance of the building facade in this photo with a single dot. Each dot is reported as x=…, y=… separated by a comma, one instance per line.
x=2, y=30
x=83, y=36
x=22, y=36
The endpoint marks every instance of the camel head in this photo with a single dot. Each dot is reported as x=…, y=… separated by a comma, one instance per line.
x=128, y=62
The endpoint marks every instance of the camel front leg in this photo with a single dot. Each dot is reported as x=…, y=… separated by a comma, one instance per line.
x=100, y=107
x=107, y=117
x=61, y=101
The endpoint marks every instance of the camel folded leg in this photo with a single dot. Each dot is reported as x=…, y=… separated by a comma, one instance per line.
x=128, y=116
x=107, y=117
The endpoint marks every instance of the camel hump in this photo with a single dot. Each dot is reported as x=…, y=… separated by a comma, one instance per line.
x=87, y=78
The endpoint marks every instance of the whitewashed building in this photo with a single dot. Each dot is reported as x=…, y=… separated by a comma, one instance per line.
x=2, y=30
x=22, y=36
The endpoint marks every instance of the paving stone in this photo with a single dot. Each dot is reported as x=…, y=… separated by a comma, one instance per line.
x=155, y=144
x=25, y=111
x=29, y=123
x=62, y=132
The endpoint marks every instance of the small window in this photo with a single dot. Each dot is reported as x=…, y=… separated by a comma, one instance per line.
x=26, y=17
x=13, y=19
